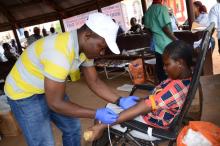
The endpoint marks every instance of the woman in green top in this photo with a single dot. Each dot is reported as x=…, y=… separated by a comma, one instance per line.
x=158, y=22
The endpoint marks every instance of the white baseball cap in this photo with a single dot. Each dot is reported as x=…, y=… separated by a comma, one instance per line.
x=105, y=27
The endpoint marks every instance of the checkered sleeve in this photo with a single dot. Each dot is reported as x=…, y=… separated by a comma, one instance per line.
x=167, y=103
x=172, y=96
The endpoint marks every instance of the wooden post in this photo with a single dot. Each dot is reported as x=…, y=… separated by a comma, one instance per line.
x=98, y=6
x=191, y=16
x=144, y=6
x=17, y=39
x=62, y=25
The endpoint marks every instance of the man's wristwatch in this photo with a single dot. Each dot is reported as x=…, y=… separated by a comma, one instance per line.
x=118, y=101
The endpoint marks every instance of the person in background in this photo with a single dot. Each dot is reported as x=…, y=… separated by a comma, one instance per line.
x=34, y=37
x=52, y=31
x=14, y=46
x=202, y=18
x=214, y=16
x=26, y=35
x=8, y=61
x=173, y=20
x=8, y=54
x=157, y=22
x=201, y=15
x=135, y=27
x=44, y=32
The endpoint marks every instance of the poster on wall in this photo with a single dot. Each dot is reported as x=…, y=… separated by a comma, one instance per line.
x=179, y=9
x=131, y=8
x=115, y=11
x=76, y=22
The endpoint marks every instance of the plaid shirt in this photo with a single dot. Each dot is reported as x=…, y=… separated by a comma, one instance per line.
x=166, y=101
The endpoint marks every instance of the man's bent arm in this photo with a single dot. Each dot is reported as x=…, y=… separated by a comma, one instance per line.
x=97, y=85
x=170, y=34
x=55, y=92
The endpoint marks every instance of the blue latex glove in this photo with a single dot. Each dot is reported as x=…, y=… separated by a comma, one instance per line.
x=127, y=102
x=106, y=115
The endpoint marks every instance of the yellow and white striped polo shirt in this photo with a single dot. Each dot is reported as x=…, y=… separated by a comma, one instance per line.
x=54, y=57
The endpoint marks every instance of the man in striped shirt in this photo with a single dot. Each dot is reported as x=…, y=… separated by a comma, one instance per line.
x=36, y=84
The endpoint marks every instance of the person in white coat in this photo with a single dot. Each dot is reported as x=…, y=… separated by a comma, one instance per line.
x=214, y=16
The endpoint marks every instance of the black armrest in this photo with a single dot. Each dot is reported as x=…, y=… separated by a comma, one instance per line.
x=144, y=87
x=168, y=134
x=147, y=87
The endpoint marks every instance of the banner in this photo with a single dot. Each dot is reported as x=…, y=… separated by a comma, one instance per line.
x=115, y=11
x=76, y=22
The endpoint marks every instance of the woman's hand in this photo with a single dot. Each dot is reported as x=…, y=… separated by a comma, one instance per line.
x=95, y=132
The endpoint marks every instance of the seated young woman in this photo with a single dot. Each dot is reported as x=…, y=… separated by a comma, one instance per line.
x=166, y=101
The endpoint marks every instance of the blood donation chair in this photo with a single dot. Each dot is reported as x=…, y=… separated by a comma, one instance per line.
x=137, y=133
